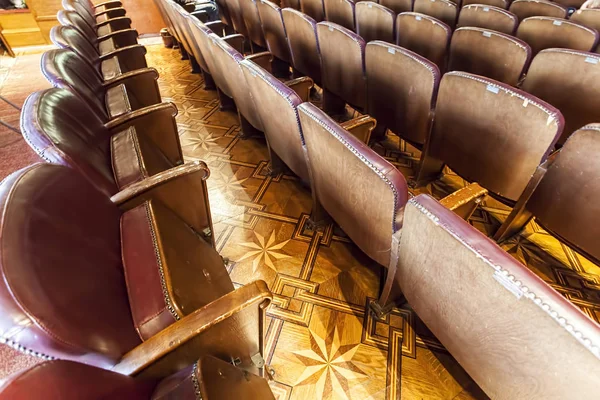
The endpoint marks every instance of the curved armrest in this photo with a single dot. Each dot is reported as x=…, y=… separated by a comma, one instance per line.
x=217, y=27
x=464, y=201
x=116, y=24
x=229, y=328
x=263, y=59
x=130, y=58
x=132, y=49
x=108, y=4
x=301, y=86
x=236, y=41
x=122, y=38
x=142, y=87
x=361, y=127
x=123, y=78
x=111, y=13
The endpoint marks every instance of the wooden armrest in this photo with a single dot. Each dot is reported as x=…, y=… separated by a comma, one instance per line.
x=116, y=24
x=134, y=48
x=263, y=59
x=301, y=86
x=217, y=27
x=465, y=201
x=221, y=329
x=236, y=41
x=111, y=13
x=121, y=38
x=123, y=78
x=361, y=127
x=108, y=4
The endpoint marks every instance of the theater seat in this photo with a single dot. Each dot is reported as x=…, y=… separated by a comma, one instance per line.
x=492, y=54
x=180, y=32
x=275, y=36
x=253, y=25
x=398, y=6
x=106, y=22
x=589, y=17
x=531, y=8
x=340, y=12
x=509, y=330
x=210, y=378
x=444, y=10
x=545, y=32
x=488, y=17
x=375, y=22
x=495, y=3
x=304, y=45
x=83, y=281
x=425, y=35
x=313, y=9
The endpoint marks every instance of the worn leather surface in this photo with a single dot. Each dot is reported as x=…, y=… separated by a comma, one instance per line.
x=492, y=54
x=398, y=6
x=340, y=12
x=492, y=134
x=425, y=35
x=500, y=321
x=340, y=163
x=342, y=63
x=488, y=17
x=375, y=22
x=273, y=29
x=72, y=18
x=237, y=18
x=402, y=88
x=304, y=45
x=314, y=9
x=68, y=37
x=496, y=3
x=444, y=10
x=531, y=8
x=253, y=22
x=589, y=17
x=117, y=101
x=545, y=32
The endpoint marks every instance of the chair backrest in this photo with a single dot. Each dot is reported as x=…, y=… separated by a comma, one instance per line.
x=274, y=30
x=570, y=81
x=342, y=63
x=304, y=46
x=531, y=8
x=174, y=9
x=71, y=18
x=468, y=137
x=283, y=133
x=375, y=191
x=253, y=22
x=565, y=200
x=398, y=6
x=314, y=9
x=190, y=45
x=340, y=12
x=496, y=3
x=546, y=32
x=492, y=54
x=68, y=37
x=425, y=35
x=401, y=90
x=62, y=292
x=237, y=18
x=488, y=17
x=571, y=3
x=510, y=331
x=73, y=5
x=444, y=10
x=375, y=22
x=62, y=129
x=589, y=17
x=190, y=20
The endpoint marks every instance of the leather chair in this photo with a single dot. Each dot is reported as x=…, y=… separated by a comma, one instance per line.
x=253, y=25
x=375, y=22
x=491, y=54
x=545, y=32
x=314, y=9
x=110, y=65
x=488, y=17
x=209, y=379
x=509, y=330
x=398, y=6
x=589, y=17
x=401, y=91
x=495, y=3
x=304, y=44
x=136, y=292
x=117, y=20
x=340, y=12
x=425, y=35
x=444, y=10
x=276, y=37
x=467, y=136
x=113, y=98
x=570, y=81
x=531, y=8
x=342, y=68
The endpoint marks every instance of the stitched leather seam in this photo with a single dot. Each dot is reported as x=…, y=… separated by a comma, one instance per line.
x=433, y=20
x=573, y=52
x=195, y=381
x=494, y=9
x=565, y=22
x=501, y=35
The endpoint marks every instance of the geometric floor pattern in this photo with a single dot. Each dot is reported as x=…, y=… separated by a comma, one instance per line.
x=321, y=340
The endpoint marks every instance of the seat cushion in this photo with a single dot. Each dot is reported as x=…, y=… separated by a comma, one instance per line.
x=110, y=68
x=117, y=102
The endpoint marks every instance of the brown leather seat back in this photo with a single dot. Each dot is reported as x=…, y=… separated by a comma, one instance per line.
x=253, y=23
x=375, y=192
x=304, y=45
x=499, y=320
x=589, y=17
x=314, y=9
x=68, y=37
x=71, y=18
x=488, y=17
x=273, y=29
x=425, y=35
x=398, y=6
x=79, y=8
x=402, y=87
x=531, y=8
x=340, y=12
x=496, y=3
x=190, y=45
x=283, y=133
x=545, y=32
x=62, y=292
x=492, y=54
x=375, y=22
x=237, y=18
x=444, y=10
x=64, y=130
x=570, y=81
x=342, y=63
x=565, y=200
x=468, y=137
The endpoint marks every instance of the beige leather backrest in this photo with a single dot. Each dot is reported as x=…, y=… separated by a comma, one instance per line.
x=314, y=9
x=492, y=54
x=253, y=23
x=496, y=3
x=488, y=17
x=273, y=29
x=589, y=17
x=340, y=12
x=398, y=6
x=237, y=19
x=512, y=333
x=304, y=45
x=531, y=8
x=570, y=81
x=375, y=22
x=425, y=35
x=545, y=32
x=490, y=133
x=401, y=90
x=444, y=10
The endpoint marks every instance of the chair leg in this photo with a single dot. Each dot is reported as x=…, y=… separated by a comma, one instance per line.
x=246, y=128
x=280, y=68
x=332, y=103
x=277, y=165
x=184, y=54
x=195, y=67
x=209, y=82
x=378, y=134
x=318, y=216
x=430, y=169
x=227, y=103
